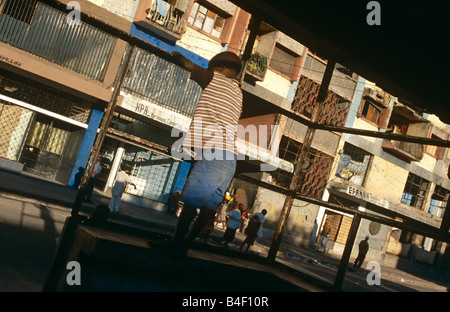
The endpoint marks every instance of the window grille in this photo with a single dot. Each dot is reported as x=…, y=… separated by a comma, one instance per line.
x=44, y=31
x=439, y=201
x=415, y=192
x=316, y=171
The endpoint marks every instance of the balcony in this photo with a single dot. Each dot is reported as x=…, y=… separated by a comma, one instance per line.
x=159, y=89
x=256, y=67
x=405, y=121
x=162, y=18
x=43, y=31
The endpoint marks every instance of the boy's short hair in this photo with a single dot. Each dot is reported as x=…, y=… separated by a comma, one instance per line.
x=226, y=59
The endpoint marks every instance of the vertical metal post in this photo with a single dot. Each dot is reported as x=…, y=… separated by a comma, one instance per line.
x=68, y=234
x=102, y=130
x=304, y=154
x=253, y=28
x=339, y=279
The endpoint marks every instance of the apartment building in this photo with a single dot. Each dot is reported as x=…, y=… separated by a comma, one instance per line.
x=394, y=178
x=57, y=79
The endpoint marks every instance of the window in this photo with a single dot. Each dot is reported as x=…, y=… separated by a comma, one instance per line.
x=285, y=62
x=415, y=191
x=21, y=10
x=439, y=201
x=282, y=60
x=206, y=20
x=353, y=164
x=289, y=150
x=371, y=112
x=437, y=152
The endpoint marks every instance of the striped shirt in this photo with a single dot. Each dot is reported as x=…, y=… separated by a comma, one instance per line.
x=214, y=125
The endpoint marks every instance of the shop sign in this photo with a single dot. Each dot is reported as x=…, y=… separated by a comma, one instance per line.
x=153, y=111
x=10, y=60
x=353, y=191
x=358, y=193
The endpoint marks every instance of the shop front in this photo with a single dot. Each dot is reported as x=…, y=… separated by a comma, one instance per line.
x=41, y=128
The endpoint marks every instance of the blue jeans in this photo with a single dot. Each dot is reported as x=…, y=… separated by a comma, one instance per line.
x=208, y=182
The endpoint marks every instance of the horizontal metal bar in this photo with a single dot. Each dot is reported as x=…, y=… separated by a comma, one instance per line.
x=277, y=109
x=136, y=139
x=43, y=111
x=406, y=223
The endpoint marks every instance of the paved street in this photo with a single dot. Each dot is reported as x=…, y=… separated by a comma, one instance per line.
x=29, y=230
x=30, y=226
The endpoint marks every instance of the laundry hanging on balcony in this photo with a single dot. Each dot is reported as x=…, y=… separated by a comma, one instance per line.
x=162, y=8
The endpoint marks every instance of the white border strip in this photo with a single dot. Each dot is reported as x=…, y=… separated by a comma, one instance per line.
x=43, y=111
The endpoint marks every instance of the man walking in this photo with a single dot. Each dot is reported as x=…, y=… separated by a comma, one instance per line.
x=363, y=249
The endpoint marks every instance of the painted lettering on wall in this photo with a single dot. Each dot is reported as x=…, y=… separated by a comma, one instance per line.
x=10, y=60
x=358, y=193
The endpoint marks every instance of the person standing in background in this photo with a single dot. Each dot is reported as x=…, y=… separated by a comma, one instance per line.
x=90, y=186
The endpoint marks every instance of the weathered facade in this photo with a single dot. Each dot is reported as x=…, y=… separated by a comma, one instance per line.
x=56, y=79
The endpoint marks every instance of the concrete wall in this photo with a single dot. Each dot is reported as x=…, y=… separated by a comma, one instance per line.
x=275, y=83
x=386, y=180
x=122, y=8
x=200, y=44
x=300, y=223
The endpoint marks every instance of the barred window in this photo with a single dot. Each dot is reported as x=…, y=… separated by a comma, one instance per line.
x=439, y=201
x=415, y=191
x=22, y=10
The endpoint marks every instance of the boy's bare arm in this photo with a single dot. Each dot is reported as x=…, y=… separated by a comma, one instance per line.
x=183, y=61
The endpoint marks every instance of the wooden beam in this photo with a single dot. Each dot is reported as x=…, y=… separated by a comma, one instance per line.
x=343, y=264
x=106, y=120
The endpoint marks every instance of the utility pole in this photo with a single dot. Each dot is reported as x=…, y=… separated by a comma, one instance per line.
x=304, y=154
x=253, y=28
x=339, y=279
x=102, y=130
x=68, y=234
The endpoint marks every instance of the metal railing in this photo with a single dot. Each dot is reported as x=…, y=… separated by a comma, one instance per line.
x=44, y=31
x=162, y=82
x=166, y=15
x=257, y=65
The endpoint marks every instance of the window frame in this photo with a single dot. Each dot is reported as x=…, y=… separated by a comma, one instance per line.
x=368, y=108
x=199, y=8
x=294, y=73
x=415, y=193
x=434, y=151
x=440, y=195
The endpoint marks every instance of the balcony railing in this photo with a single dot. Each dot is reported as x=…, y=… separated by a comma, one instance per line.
x=46, y=32
x=162, y=82
x=257, y=66
x=166, y=15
